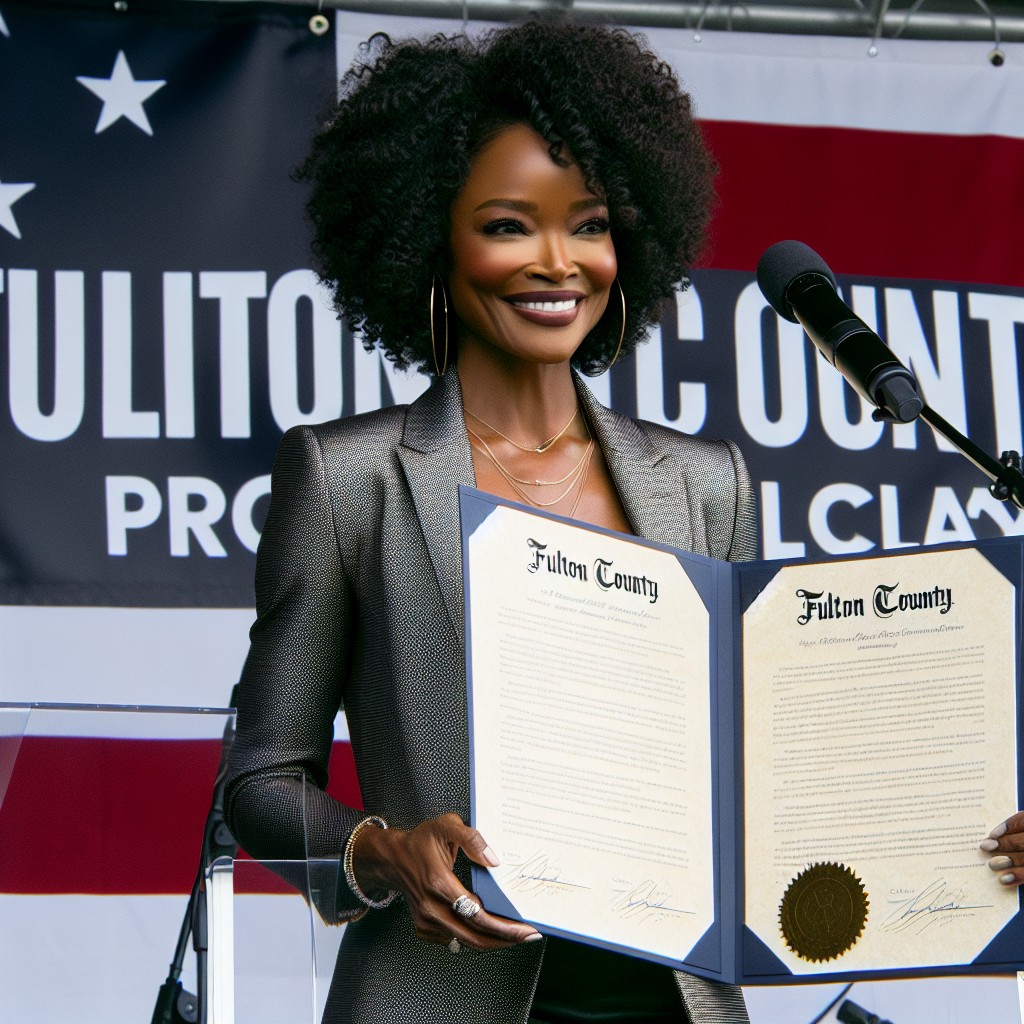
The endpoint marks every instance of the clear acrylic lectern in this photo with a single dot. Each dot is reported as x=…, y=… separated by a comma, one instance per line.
x=101, y=824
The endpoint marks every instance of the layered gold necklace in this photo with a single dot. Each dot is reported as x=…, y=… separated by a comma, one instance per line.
x=544, y=446
x=577, y=475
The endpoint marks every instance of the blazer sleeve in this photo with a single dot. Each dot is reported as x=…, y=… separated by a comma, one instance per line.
x=293, y=681
x=743, y=546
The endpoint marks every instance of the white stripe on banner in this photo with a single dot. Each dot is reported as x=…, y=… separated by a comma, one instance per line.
x=941, y=87
x=101, y=960
x=189, y=657
x=984, y=1000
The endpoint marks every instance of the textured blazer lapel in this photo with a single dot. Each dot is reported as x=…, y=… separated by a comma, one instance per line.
x=436, y=458
x=651, y=486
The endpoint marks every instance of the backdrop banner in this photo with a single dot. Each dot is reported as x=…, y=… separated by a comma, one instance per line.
x=162, y=329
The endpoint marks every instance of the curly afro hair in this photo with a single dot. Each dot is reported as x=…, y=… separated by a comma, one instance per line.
x=394, y=156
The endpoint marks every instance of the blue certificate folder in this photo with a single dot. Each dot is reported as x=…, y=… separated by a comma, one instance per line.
x=729, y=950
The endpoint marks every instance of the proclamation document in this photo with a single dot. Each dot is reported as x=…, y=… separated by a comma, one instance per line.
x=590, y=730
x=879, y=750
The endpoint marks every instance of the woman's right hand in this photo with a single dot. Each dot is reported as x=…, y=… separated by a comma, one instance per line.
x=418, y=864
x=1006, y=841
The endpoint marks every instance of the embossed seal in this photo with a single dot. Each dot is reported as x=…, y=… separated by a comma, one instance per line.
x=823, y=912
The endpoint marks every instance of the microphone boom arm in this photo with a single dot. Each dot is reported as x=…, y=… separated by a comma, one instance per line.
x=1005, y=472
x=801, y=288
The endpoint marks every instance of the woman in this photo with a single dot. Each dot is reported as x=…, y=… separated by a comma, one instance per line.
x=497, y=212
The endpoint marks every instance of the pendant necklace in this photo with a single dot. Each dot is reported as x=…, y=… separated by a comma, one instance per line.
x=577, y=475
x=486, y=449
x=523, y=448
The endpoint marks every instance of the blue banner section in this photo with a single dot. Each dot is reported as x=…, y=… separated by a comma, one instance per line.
x=162, y=328
x=830, y=479
x=150, y=228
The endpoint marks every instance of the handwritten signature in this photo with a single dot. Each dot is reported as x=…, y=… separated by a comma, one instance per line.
x=539, y=874
x=642, y=900
x=939, y=902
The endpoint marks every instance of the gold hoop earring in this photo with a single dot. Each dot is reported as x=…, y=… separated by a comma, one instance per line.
x=622, y=333
x=439, y=367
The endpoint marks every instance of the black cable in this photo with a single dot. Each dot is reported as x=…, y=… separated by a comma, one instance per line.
x=821, y=1016
x=173, y=1005
x=183, y=935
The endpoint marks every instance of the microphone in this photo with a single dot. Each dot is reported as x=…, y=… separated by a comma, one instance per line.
x=851, y=1013
x=801, y=288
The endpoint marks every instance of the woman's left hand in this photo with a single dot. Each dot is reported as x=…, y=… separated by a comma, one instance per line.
x=1005, y=843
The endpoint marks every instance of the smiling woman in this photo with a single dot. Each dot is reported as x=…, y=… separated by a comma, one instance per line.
x=532, y=267
x=415, y=115
x=503, y=213
x=530, y=244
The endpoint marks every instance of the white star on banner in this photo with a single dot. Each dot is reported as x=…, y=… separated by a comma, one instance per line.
x=122, y=96
x=9, y=195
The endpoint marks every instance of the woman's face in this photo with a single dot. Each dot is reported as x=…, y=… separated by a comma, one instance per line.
x=532, y=255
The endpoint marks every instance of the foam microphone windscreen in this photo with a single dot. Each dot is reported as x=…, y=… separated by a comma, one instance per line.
x=780, y=265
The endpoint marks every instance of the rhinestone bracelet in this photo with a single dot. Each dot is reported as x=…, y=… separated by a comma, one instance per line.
x=350, y=877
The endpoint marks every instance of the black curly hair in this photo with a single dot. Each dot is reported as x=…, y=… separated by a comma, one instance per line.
x=394, y=156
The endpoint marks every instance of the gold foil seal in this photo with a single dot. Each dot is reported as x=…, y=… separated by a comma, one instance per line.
x=823, y=912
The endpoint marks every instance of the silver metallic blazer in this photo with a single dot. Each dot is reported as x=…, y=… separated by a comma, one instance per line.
x=360, y=605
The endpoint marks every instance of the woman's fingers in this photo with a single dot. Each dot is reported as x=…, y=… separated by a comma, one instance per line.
x=495, y=927
x=480, y=929
x=437, y=922
x=1007, y=837
x=425, y=858
x=1013, y=824
x=1006, y=860
x=1006, y=844
x=1010, y=878
x=488, y=931
x=472, y=843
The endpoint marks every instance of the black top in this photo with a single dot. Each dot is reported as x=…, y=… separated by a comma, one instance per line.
x=585, y=983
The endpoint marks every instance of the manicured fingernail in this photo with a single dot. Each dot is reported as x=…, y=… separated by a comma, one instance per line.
x=491, y=857
x=534, y=937
x=1000, y=863
x=1007, y=879
x=999, y=830
x=989, y=844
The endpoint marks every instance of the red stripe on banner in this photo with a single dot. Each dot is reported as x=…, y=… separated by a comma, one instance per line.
x=893, y=204
x=114, y=816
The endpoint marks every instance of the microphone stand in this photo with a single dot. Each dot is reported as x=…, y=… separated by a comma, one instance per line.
x=801, y=288
x=1005, y=473
x=173, y=1004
